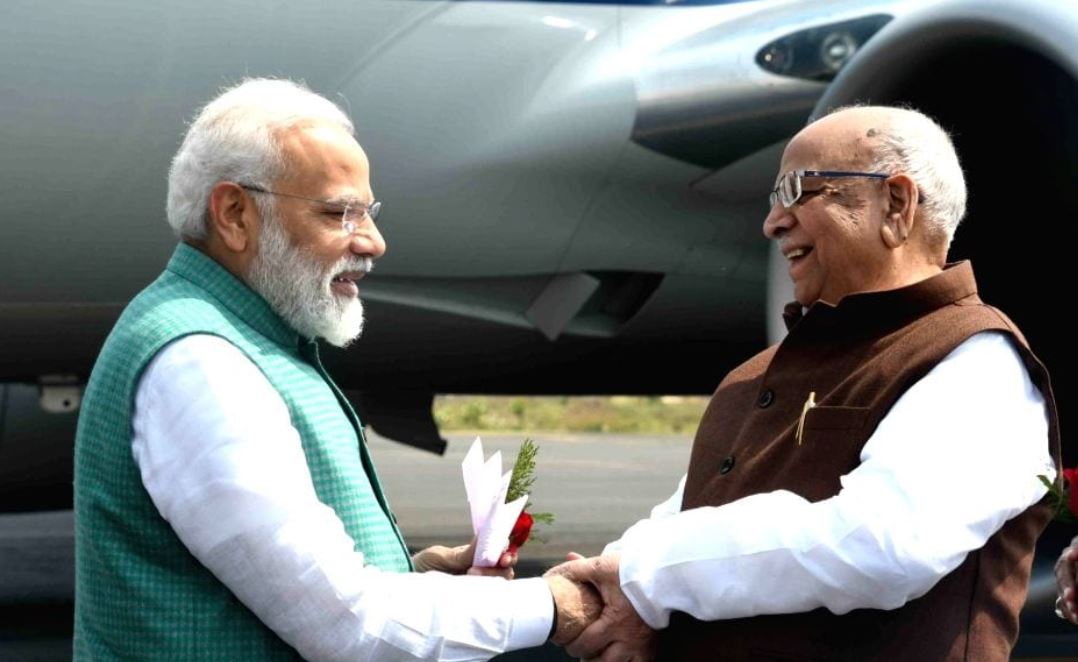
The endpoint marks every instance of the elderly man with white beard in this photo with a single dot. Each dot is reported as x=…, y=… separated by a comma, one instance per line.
x=226, y=505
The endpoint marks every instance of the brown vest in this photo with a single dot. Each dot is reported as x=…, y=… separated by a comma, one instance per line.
x=858, y=357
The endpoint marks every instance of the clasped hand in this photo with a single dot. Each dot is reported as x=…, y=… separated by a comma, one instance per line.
x=1067, y=583
x=595, y=620
x=599, y=621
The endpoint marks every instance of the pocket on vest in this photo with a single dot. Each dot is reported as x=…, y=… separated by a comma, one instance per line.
x=831, y=444
x=835, y=419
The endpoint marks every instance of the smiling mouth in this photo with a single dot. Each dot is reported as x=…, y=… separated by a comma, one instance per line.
x=346, y=284
x=351, y=276
x=796, y=254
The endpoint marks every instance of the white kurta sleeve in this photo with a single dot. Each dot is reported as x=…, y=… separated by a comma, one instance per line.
x=956, y=457
x=224, y=466
x=671, y=506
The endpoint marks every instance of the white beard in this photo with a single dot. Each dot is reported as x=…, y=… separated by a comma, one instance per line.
x=297, y=287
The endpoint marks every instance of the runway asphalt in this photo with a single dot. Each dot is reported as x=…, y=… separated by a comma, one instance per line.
x=595, y=485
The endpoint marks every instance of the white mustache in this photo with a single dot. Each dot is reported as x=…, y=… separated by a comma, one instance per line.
x=345, y=264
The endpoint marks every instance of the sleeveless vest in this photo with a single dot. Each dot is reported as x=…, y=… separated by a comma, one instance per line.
x=139, y=593
x=858, y=357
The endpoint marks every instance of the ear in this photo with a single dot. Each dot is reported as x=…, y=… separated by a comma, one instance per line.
x=232, y=216
x=902, y=199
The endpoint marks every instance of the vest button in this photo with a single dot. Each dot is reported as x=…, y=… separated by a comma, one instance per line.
x=727, y=465
x=765, y=399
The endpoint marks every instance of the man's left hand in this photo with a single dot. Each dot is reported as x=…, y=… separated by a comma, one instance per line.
x=458, y=561
x=619, y=633
x=1067, y=583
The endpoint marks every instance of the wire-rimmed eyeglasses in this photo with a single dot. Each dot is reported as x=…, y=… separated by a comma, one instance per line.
x=788, y=188
x=352, y=215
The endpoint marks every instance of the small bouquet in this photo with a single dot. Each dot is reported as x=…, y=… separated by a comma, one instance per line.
x=497, y=501
x=521, y=481
x=1064, y=495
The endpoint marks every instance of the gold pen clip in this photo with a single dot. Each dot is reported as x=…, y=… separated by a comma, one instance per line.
x=809, y=404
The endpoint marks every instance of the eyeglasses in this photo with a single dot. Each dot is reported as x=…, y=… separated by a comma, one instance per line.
x=351, y=215
x=788, y=188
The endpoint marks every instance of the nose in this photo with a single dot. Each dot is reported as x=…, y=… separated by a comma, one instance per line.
x=368, y=241
x=778, y=221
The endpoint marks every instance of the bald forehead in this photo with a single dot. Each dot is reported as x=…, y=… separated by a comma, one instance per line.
x=847, y=139
x=319, y=148
x=303, y=138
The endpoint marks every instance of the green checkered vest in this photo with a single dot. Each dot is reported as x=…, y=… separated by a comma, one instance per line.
x=139, y=594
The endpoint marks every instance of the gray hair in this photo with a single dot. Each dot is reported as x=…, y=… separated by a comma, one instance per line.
x=913, y=143
x=235, y=137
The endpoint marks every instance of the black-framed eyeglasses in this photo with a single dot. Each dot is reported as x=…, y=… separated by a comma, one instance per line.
x=351, y=215
x=788, y=189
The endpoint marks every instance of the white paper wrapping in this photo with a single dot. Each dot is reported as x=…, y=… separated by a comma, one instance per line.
x=492, y=518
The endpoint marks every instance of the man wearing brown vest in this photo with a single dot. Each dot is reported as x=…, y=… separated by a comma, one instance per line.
x=866, y=489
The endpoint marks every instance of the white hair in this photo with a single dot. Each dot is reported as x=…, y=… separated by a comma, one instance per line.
x=298, y=286
x=235, y=137
x=913, y=143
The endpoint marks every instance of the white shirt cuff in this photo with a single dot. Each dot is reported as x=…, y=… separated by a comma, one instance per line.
x=533, y=613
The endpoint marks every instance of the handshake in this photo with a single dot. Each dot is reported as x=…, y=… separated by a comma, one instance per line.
x=594, y=619
x=592, y=616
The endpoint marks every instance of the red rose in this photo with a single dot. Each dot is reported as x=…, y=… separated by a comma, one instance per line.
x=521, y=530
x=1070, y=476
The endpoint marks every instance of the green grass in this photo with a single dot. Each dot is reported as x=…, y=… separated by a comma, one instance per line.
x=621, y=414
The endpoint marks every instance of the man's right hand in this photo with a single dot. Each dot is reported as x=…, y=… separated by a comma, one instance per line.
x=578, y=605
x=1067, y=582
x=618, y=633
